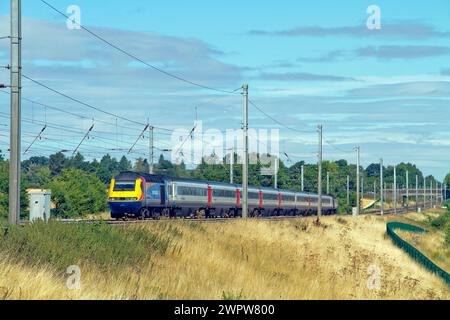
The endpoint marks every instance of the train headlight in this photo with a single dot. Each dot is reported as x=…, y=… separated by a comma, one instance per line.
x=123, y=199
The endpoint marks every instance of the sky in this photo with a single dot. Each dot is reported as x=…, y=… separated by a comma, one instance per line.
x=385, y=90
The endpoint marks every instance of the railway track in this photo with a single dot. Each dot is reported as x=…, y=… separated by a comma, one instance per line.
x=402, y=210
x=137, y=222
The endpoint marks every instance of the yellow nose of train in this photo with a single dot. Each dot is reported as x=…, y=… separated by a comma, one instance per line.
x=126, y=191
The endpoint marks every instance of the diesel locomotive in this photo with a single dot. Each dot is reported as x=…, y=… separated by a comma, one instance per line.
x=145, y=196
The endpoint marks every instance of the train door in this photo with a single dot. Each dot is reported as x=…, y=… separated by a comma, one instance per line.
x=279, y=200
x=162, y=192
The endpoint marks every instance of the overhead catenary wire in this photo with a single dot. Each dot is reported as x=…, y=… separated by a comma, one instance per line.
x=134, y=57
x=34, y=102
x=79, y=101
x=338, y=148
x=156, y=68
x=72, y=129
x=275, y=120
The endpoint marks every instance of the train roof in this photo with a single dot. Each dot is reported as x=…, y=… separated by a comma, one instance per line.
x=130, y=175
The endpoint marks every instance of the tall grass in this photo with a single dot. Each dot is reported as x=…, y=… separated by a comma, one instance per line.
x=238, y=259
x=95, y=245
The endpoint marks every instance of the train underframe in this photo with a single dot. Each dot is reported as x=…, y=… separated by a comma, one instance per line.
x=213, y=213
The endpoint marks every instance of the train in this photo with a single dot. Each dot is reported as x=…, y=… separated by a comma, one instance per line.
x=146, y=196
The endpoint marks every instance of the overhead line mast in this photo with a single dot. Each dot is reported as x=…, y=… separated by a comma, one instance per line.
x=16, y=90
x=245, y=162
x=319, y=174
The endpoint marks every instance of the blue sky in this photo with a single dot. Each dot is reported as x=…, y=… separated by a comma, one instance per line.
x=306, y=63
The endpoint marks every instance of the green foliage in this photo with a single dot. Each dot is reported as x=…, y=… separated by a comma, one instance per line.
x=42, y=172
x=109, y=248
x=124, y=164
x=441, y=222
x=57, y=163
x=4, y=189
x=141, y=165
x=37, y=176
x=108, y=167
x=38, y=161
x=76, y=193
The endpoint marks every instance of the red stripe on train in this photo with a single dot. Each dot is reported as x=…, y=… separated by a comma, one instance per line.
x=260, y=199
x=238, y=198
x=209, y=197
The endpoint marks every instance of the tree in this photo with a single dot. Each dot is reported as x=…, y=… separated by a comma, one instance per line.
x=40, y=161
x=124, y=164
x=141, y=165
x=107, y=168
x=78, y=162
x=37, y=176
x=4, y=189
x=57, y=163
x=77, y=193
x=164, y=166
x=373, y=170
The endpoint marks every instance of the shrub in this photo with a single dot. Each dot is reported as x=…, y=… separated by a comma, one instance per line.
x=76, y=193
x=441, y=221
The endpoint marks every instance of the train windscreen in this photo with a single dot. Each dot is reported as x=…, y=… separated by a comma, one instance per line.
x=124, y=185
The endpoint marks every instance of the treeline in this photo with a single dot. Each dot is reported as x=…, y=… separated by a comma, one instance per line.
x=79, y=186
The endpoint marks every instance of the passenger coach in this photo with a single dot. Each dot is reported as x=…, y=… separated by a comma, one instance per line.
x=145, y=196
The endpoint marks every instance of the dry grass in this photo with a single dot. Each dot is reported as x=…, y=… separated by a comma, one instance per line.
x=248, y=260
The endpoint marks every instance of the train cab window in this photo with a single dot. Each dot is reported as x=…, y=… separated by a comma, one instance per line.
x=124, y=185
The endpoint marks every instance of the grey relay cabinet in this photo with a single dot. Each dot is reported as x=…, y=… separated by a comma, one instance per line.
x=40, y=205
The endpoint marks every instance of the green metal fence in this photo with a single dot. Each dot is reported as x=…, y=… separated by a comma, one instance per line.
x=412, y=251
